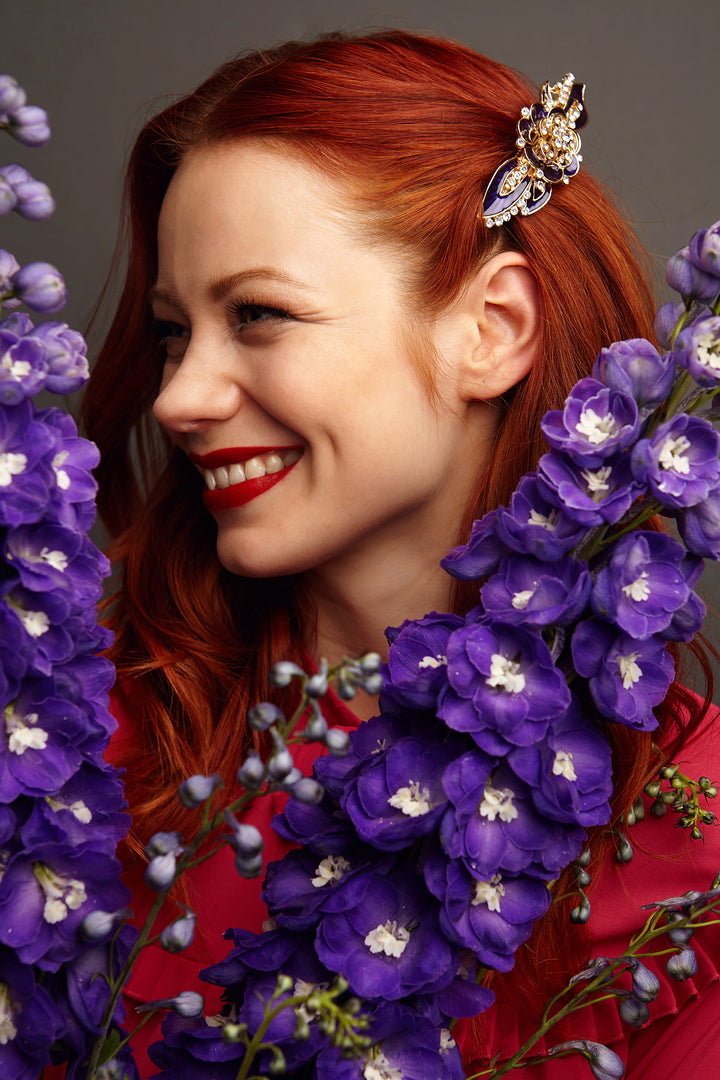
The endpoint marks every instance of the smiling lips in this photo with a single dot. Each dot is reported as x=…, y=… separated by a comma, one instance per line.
x=237, y=475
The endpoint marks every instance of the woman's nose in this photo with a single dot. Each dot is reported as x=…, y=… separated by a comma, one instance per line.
x=195, y=392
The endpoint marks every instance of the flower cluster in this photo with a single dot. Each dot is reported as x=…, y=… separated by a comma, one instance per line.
x=430, y=855
x=60, y=804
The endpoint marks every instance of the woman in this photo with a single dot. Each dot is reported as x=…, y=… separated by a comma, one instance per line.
x=346, y=366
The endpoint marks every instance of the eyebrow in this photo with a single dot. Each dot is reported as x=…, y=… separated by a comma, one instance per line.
x=220, y=287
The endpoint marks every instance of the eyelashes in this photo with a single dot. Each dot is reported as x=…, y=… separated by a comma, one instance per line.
x=247, y=313
x=244, y=316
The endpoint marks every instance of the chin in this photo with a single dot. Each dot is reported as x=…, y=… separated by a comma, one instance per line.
x=256, y=561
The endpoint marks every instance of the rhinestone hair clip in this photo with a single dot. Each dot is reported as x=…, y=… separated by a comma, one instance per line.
x=548, y=153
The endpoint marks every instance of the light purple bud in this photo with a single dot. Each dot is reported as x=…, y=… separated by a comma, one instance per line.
x=645, y=985
x=283, y=672
x=197, y=789
x=683, y=276
x=15, y=174
x=29, y=125
x=337, y=742
x=40, y=286
x=12, y=95
x=665, y=320
x=251, y=772
x=264, y=715
x=179, y=934
x=98, y=924
x=162, y=843
x=682, y=965
x=160, y=872
x=308, y=791
x=8, y=197
x=604, y=1063
x=34, y=200
x=9, y=266
x=246, y=840
x=188, y=1004
x=704, y=249
x=633, y=1011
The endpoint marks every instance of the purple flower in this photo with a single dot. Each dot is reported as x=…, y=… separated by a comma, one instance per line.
x=65, y=356
x=699, y=526
x=480, y=556
x=40, y=286
x=39, y=751
x=29, y=1021
x=416, y=660
x=604, y=1063
x=666, y=320
x=492, y=917
x=643, y=584
x=323, y=828
x=25, y=477
x=29, y=125
x=303, y=885
x=12, y=95
x=195, y=1050
x=679, y=462
x=569, y=774
x=391, y=944
x=494, y=827
x=397, y=796
x=503, y=686
x=591, y=496
x=595, y=423
x=627, y=677
x=34, y=200
x=23, y=366
x=636, y=368
x=698, y=350
x=534, y=593
x=179, y=934
x=704, y=249
x=534, y=525
x=690, y=280
x=9, y=266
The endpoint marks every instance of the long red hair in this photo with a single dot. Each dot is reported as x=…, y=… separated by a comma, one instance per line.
x=415, y=127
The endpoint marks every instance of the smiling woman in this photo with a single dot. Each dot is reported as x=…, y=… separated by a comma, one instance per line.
x=325, y=364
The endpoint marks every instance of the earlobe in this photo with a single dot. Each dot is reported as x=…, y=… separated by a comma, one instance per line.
x=503, y=301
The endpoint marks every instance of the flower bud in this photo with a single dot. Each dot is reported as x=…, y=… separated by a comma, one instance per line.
x=604, y=1063
x=581, y=913
x=179, y=934
x=371, y=663
x=682, y=965
x=666, y=319
x=624, y=851
x=251, y=773
x=280, y=764
x=634, y=1011
x=40, y=286
x=645, y=985
x=8, y=197
x=317, y=684
x=245, y=839
x=9, y=266
x=160, y=872
x=248, y=867
x=98, y=925
x=290, y=779
x=337, y=742
x=283, y=672
x=308, y=791
x=689, y=280
x=12, y=95
x=162, y=843
x=316, y=726
x=29, y=125
x=187, y=1004
x=704, y=249
x=34, y=200
x=264, y=715
x=233, y=1033
x=197, y=789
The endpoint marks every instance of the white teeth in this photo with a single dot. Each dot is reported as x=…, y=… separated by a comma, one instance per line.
x=254, y=468
x=261, y=465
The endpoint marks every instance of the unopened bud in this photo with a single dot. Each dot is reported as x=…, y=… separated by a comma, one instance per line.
x=264, y=715
x=633, y=1011
x=160, y=872
x=162, y=843
x=197, y=789
x=682, y=965
x=337, y=742
x=283, y=672
x=179, y=934
x=252, y=772
x=308, y=791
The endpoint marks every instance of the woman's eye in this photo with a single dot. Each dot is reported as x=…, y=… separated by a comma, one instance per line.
x=172, y=337
x=246, y=314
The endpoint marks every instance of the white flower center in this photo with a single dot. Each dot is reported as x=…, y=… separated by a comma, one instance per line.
x=596, y=429
x=597, y=480
x=78, y=809
x=563, y=765
x=330, y=870
x=498, y=802
x=8, y=1031
x=11, y=465
x=306, y=988
x=708, y=350
x=62, y=478
x=433, y=661
x=381, y=1069
x=549, y=522
x=57, y=559
x=505, y=674
x=60, y=893
x=638, y=589
x=521, y=600
x=488, y=892
x=390, y=939
x=446, y=1040
x=35, y=622
x=17, y=369
x=672, y=455
x=21, y=733
x=412, y=800
x=629, y=670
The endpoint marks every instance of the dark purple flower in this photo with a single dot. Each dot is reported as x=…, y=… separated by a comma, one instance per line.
x=691, y=281
x=595, y=423
x=679, y=462
x=41, y=620
x=195, y=1050
x=627, y=677
x=503, y=686
x=322, y=828
x=604, y=1063
x=698, y=350
x=704, y=249
x=40, y=286
x=29, y=1021
x=699, y=526
x=534, y=525
x=643, y=584
x=591, y=496
x=29, y=125
x=39, y=751
x=534, y=593
x=417, y=662
x=397, y=796
x=303, y=885
x=52, y=557
x=569, y=773
x=390, y=945
x=490, y=917
x=492, y=824
x=25, y=477
x=480, y=556
x=636, y=368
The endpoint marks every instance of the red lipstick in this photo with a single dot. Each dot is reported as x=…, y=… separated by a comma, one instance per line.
x=239, y=494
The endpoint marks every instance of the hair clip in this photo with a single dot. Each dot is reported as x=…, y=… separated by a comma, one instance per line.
x=548, y=153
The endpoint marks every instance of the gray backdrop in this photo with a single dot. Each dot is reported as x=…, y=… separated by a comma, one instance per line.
x=100, y=68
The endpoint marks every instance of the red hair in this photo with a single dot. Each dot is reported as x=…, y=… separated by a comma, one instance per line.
x=415, y=127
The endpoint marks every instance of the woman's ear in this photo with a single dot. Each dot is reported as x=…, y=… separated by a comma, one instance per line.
x=503, y=303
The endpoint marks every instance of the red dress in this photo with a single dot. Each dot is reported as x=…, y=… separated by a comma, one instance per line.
x=684, y=1027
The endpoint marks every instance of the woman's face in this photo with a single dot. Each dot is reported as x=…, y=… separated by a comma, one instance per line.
x=289, y=380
